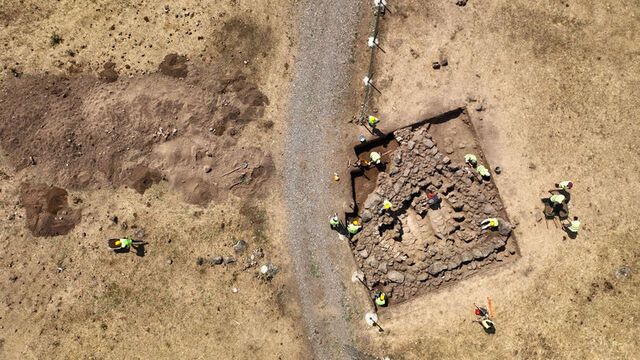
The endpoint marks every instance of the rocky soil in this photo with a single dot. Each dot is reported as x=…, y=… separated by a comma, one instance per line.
x=415, y=248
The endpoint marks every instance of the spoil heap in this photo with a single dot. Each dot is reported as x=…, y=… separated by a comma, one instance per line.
x=416, y=248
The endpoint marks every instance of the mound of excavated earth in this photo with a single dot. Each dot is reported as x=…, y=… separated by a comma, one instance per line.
x=178, y=125
x=47, y=210
x=416, y=248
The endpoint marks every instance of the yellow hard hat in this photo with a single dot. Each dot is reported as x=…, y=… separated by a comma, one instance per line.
x=382, y=296
x=118, y=243
x=355, y=222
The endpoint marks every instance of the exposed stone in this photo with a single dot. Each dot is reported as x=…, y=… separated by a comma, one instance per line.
x=373, y=262
x=489, y=210
x=422, y=277
x=437, y=267
x=395, y=276
x=229, y=260
x=216, y=260
x=428, y=143
x=364, y=253
x=240, y=246
x=383, y=267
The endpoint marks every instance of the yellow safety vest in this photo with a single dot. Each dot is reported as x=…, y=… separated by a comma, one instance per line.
x=574, y=226
x=483, y=171
x=557, y=199
x=375, y=157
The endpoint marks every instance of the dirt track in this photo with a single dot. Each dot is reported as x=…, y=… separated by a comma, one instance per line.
x=321, y=75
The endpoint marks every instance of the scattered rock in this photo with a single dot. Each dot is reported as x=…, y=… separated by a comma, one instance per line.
x=258, y=253
x=114, y=219
x=229, y=260
x=268, y=271
x=207, y=169
x=240, y=246
x=200, y=261
x=538, y=217
x=124, y=226
x=139, y=234
x=216, y=260
x=364, y=253
x=169, y=261
x=623, y=272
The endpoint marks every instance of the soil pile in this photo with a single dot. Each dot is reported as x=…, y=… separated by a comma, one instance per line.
x=47, y=210
x=417, y=247
x=174, y=65
x=84, y=134
x=109, y=74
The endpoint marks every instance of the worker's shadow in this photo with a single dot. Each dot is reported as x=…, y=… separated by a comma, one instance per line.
x=139, y=247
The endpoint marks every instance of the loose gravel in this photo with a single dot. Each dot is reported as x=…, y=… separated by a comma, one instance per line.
x=326, y=36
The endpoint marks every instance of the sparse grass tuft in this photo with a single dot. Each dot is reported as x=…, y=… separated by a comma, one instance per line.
x=55, y=39
x=70, y=53
x=315, y=271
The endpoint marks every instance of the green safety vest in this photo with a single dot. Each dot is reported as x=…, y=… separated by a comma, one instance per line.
x=574, y=226
x=373, y=120
x=483, y=171
x=353, y=228
x=375, y=157
x=564, y=184
x=125, y=243
x=493, y=222
x=380, y=302
x=470, y=158
x=334, y=220
x=557, y=199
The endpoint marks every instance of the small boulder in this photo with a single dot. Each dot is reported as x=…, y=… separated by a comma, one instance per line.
x=436, y=268
x=216, y=260
x=395, y=276
x=240, y=246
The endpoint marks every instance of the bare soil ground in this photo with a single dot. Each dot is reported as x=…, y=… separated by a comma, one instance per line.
x=551, y=88
x=123, y=118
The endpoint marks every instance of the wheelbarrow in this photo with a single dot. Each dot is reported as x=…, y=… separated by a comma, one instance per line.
x=111, y=244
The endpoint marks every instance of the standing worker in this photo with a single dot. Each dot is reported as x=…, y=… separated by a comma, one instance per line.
x=572, y=227
x=334, y=221
x=483, y=171
x=375, y=157
x=490, y=223
x=471, y=159
x=373, y=121
x=353, y=228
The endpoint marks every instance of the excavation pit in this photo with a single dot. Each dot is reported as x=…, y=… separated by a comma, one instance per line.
x=417, y=247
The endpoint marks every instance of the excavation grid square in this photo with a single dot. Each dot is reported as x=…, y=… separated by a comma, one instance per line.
x=417, y=247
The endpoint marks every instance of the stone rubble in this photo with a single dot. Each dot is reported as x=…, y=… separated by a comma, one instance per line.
x=416, y=248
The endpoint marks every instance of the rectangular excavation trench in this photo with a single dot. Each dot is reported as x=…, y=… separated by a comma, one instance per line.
x=416, y=248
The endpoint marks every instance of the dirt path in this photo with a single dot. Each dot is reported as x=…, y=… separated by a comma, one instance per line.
x=326, y=36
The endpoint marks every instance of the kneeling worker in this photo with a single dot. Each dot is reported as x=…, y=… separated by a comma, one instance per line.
x=483, y=171
x=471, y=160
x=353, y=228
x=381, y=299
x=375, y=157
x=489, y=223
x=571, y=227
x=124, y=243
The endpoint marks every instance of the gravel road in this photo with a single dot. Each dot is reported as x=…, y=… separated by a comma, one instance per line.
x=326, y=31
